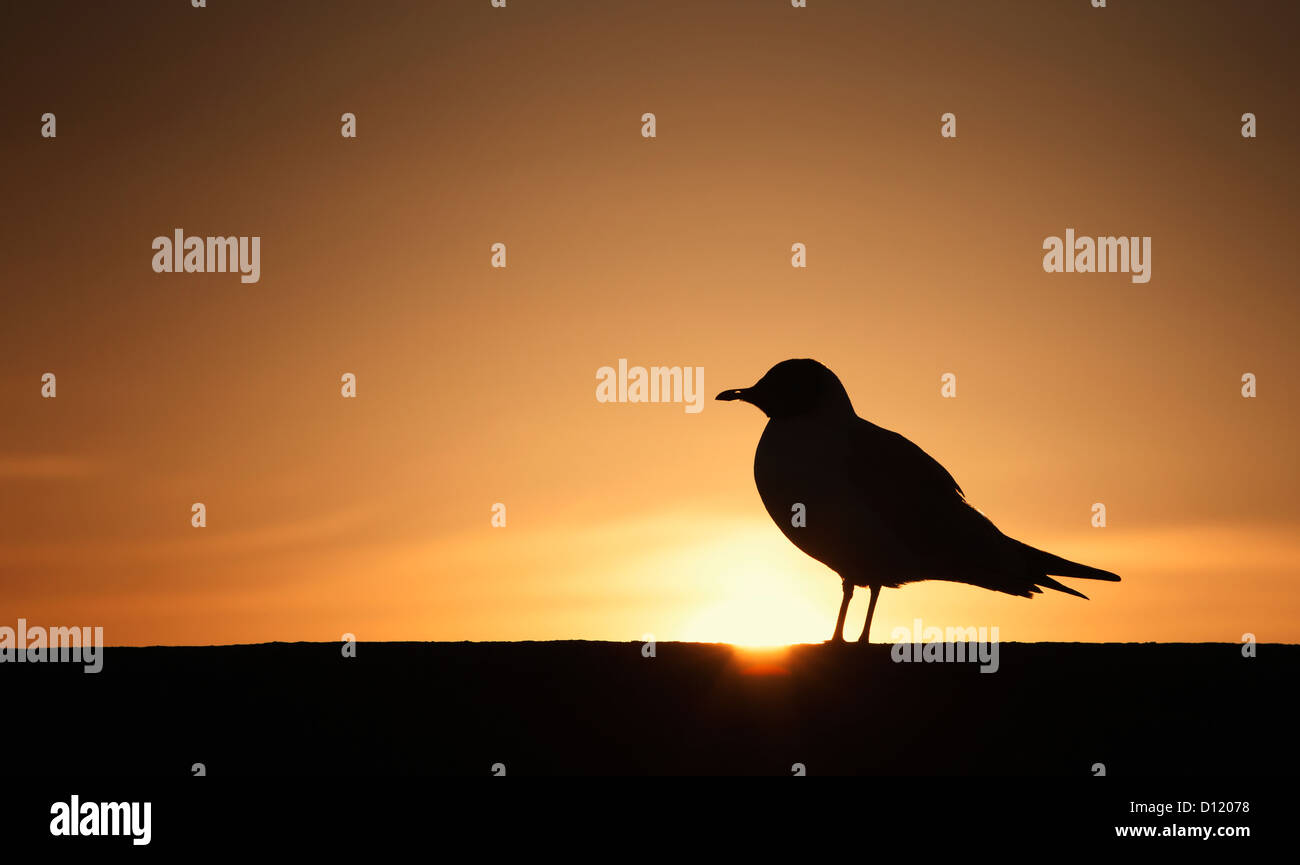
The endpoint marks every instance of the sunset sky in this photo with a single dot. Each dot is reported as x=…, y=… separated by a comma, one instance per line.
x=476, y=385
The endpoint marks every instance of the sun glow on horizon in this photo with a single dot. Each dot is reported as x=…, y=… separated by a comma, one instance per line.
x=763, y=602
x=759, y=620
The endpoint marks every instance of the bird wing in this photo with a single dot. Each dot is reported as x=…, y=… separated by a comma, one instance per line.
x=936, y=533
x=925, y=472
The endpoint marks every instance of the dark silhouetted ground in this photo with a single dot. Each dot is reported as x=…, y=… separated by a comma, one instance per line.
x=603, y=708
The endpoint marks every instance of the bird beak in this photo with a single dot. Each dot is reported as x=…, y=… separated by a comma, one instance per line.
x=740, y=393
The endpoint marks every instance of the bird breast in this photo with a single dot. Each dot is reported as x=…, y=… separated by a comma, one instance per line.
x=808, y=462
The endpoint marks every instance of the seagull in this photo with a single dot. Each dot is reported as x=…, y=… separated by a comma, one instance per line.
x=872, y=505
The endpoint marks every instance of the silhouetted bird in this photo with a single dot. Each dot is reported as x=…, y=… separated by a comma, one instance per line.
x=877, y=509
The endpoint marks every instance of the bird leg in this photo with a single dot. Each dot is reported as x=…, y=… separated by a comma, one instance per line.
x=844, y=609
x=871, y=609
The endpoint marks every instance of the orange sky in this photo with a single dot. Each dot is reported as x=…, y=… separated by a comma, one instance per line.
x=477, y=385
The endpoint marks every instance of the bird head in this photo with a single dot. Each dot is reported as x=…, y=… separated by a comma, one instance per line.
x=795, y=387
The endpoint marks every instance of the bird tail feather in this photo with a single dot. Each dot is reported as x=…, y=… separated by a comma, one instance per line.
x=1045, y=580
